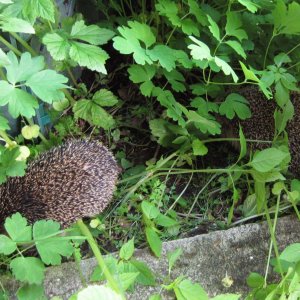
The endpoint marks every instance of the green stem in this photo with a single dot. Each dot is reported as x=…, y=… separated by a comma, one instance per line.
x=6, y=137
x=42, y=137
x=86, y=232
x=72, y=77
x=267, y=50
x=10, y=46
x=23, y=43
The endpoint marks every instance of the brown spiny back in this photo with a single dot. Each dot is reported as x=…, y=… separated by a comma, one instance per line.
x=74, y=180
x=261, y=125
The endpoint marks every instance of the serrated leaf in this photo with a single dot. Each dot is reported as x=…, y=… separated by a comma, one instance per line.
x=105, y=98
x=89, y=56
x=235, y=104
x=214, y=29
x=92, y=34
x=234, y=26
x=16, y=25
x=169, y=9
x=127, y=250
x=268, y=159
x=190, y=27
x=199, y=51
x=17, y=228
x=154, y=241
x=226, y=68
x=140, y=74
x=176, y=79
x=57, y=45
x=51, y=249
x=164, y=55
x=199, y=148
x=28, y=269
x=7, y=246
x=237, y=47
x=39, y=8
x=251, y=6
x=149, y=209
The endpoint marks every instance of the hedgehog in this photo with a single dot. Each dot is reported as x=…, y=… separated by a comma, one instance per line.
x=261, y=125
x=64, y=184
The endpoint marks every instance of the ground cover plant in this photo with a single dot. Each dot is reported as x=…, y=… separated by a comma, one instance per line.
x=157, y=79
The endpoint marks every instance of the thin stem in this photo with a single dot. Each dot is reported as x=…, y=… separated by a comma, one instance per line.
x=23, y=43
x=234, y=140
x=267, y=50
x=86, y=232
x=72, y=77
x=5, y=137
x=10, y=46
x=294, y=48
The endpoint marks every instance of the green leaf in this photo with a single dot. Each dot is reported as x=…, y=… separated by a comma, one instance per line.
x=150, y=211
x=173, y=257
x=46, y=85
x=142, y=32
x=164, y=55
x=39, y=8
x=165, y=221
x=7, y=246
x=227, y=297
x=192, y=291
x=28, y=269
x=176, y=79
x=97, y=292
x=199, y=148
x=3, y=123
x=127, y=250
x=169, y=9
x=226, y=68
x=199, y=51
x=251, y=6
x=30, y=131
x=16, y=25
x=91, y=34
x=140, y=74
x=127, y=279
x=295, y=186
x=17, y=228
x=57, y=45
x=31, y=291
x=268, y=159
x=235, y=104
x=90, y=111
x=104, y=97
x=89, y=56
x=154, y=241
x=189, y=27
x=155, y=297
x=50, y=249
x=214, y=29
x=146, y=276
x=237, y=47
x=249, y=75
x=243, y=144
x=291, y=253
x=234, y=26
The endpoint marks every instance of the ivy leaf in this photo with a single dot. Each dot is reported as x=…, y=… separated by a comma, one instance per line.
x=169, y=9
x=16, y=25
x=89, y=56
x=105, y=97
x=234, y=26
x=251, y=6
x=46, y=85
x=237, y=47
x=17, y=228
x=39, y=8
x=164, y=55
x=93, y=113
x=7, y=246
x=226, y=68
x=214, y=29
x=28, y=269
x=154, y=241
x=92, y=34
x=235, y=104
x=50, y=249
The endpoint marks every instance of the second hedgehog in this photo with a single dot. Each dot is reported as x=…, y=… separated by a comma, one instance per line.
x=67, y=183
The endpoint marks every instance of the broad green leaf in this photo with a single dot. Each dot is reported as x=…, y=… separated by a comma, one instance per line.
x=199, y=148
x=21, y=70
x=155, y=297
x=295, y=186
x=268, y=159
x=192, y=291
x=176, y=79
x=234, y=26
x=127, y=250
x=235, y=104
x=214, y=29
x=149, y=209
x=105, y=97
x=169, y=9
x=92, y=112
x=165, y=221
x=98, y=292
x=199, y=51
x=291, y=253
x=142, y=32
x=173, y=257
x=255, y=280
x=154, y=241
x=146, y=276
x=250, y=5
x=17, y=228
x=226, y=68
x=31, y=291
x=189, y=27
x=147, y=88
x=127, y=279
x=89, y=56
x=7, y=246
x=140, y=74
x=277, y=188
x=237, y=47
x=46, y=85
x=30, y=131
x=16, y=25
x=196, y=10
x=3, y=123
x=4, y=60
x=50, y=249
x=39, y=8
x=92, y=34
x=28, y=269
x=249, y=75
x=227, y=297
x=57, y=45
x=164, y=55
